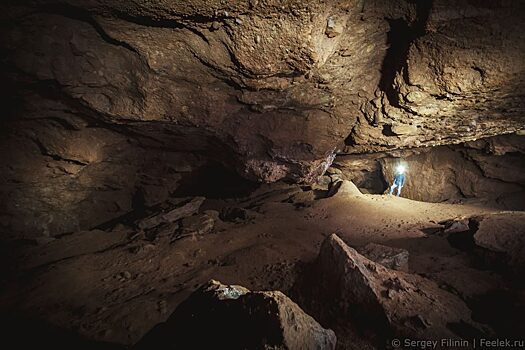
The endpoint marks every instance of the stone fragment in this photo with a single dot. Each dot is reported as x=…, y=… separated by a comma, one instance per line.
x=389, y=257
x=456, y=226
x=323, y=183
x=187, y=209
x=333, y=28
x=415, y=96
x=197, y=224
x=219, y=316
x=303, y=197
x=215, y=25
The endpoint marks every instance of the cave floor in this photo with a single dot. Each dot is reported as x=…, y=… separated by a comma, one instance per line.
x=116, y=289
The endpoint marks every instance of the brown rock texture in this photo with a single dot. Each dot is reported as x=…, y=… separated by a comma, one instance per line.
x=362, y=294
x=112, y=101
x=227, y=316
x=504, y=234
x=389, y=257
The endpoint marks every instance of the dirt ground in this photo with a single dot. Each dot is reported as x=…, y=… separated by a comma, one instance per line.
x=115, y=286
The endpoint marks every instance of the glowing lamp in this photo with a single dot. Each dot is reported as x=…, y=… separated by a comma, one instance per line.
x=400, y=169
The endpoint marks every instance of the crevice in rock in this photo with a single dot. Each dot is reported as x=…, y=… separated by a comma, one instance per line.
x=79, y=14
x=400, y=37
x=58, y=157
x=165, y=23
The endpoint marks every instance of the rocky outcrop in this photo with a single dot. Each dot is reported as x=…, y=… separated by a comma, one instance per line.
x=503, y=234
x=229, y=316
x=362, y=294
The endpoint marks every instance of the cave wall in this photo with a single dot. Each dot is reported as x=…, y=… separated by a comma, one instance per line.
x=488, y=171
x=107, y=99
x=62, y=173
x=282, y=85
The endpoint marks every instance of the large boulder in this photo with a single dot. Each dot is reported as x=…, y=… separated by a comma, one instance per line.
x=504, y=235
x=344, y=289
x=219, y=316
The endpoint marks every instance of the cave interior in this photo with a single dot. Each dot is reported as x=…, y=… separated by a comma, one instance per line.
x=216, y=174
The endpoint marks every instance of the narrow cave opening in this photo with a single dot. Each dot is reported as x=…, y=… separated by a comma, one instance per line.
x=215, y=181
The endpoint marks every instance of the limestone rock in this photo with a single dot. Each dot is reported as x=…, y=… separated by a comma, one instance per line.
x=404, y=129
x=349, y=286
x=505, y=234
x=185, y=210
x=69, y=246
x=303, y=197
x=487, y=171
x=343, y=188
x=456, y=226
x=333, y=27
x=197, y=224
x=389, y=257
x=224, y=316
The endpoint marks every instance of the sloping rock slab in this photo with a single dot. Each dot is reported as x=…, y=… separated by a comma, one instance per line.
x=173, y=215
x=345, y=286
x=219, y=316
x=75, y=244
x=504, y=233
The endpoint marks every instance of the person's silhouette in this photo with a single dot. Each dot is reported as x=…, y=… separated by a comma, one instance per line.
x=399, y=180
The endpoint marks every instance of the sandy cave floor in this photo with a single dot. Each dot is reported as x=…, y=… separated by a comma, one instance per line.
x=117, y=293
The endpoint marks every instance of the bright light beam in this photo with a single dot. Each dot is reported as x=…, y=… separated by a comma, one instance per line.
x=400, y=169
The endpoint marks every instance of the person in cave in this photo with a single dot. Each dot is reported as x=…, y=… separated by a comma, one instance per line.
x=399, y=180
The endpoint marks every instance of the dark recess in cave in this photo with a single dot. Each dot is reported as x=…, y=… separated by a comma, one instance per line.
x=399, y=38
x=215, y=181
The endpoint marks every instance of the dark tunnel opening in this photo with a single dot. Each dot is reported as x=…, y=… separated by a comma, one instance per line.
x=215, y=181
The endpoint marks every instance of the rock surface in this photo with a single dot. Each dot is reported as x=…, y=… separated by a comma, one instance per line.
x=73, y=245
x=197, y=225
x=94, y=88
x=369, y=296
x=229, y=316
x=389, y=257
x=186, y=209
x=504, y=233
